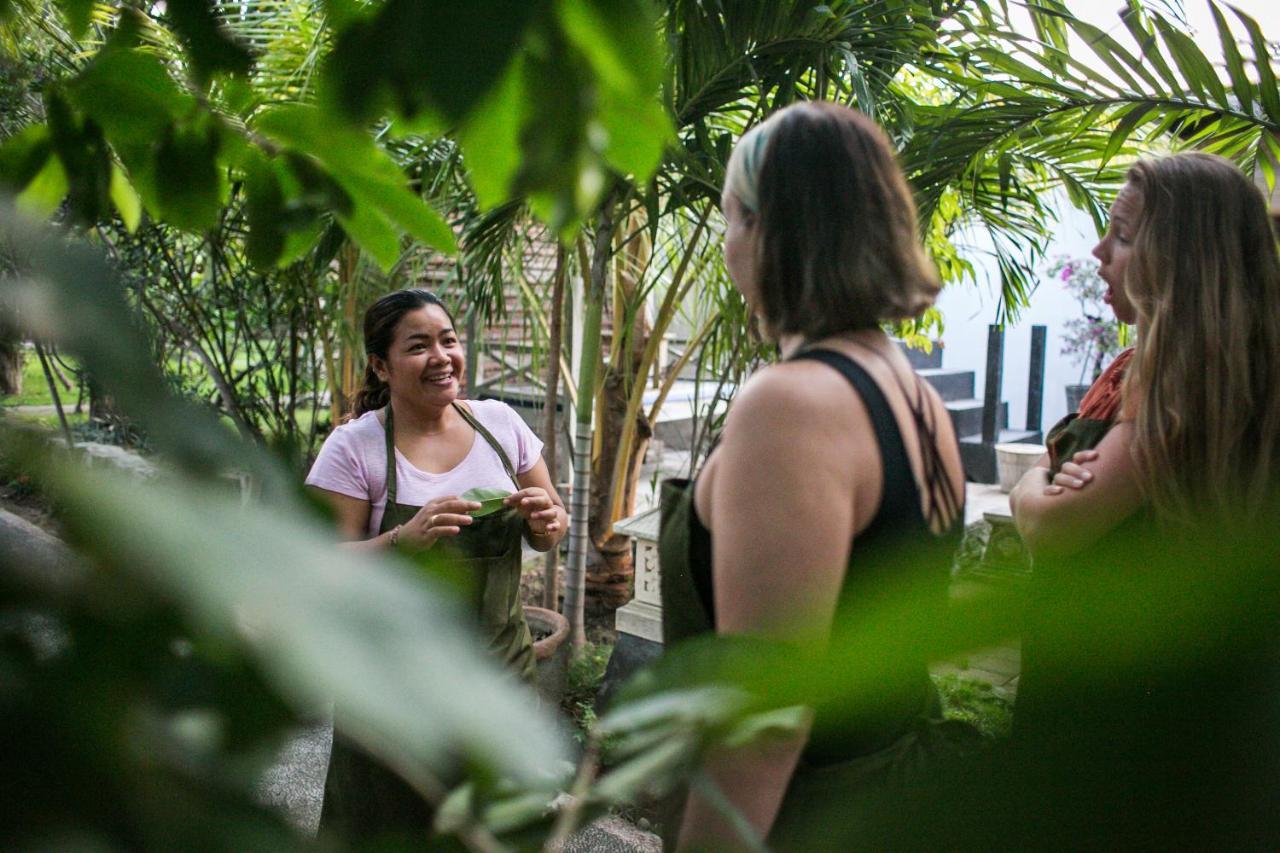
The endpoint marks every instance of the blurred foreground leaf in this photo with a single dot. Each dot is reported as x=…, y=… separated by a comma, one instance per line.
x=380, y=62
x=409, y=679
x=407, y=676
x=210, y=46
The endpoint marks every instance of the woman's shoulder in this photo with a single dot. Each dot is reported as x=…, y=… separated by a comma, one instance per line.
x=487, y=406
x=1121, y=363
x=792, y=394
x=492, y=412
x=357, y=431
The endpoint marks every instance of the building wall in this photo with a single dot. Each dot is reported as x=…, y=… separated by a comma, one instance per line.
x=969, y=308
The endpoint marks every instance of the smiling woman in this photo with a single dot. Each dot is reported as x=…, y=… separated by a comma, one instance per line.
x=402, y=474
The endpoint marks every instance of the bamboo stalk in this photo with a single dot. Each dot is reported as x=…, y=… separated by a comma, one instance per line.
x=531, y=299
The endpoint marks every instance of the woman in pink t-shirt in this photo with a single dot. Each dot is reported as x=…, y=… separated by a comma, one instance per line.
x=395, y=475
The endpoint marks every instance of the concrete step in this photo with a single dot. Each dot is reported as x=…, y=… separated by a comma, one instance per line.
x=921, y=360
x=966, y=415
x=979, y=458
x=950, y=384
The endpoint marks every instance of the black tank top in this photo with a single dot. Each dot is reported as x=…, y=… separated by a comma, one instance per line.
x=900, y=542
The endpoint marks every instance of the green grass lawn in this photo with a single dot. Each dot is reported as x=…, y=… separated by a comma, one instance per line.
x=975, y=702
x=35, y=390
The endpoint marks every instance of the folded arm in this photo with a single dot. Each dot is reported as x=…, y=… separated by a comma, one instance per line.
x=1055, y=522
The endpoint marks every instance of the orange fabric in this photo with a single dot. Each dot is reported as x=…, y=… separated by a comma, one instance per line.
x=1102, y=401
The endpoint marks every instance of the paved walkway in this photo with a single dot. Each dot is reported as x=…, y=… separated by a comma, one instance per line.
x=295, y=786
x=35, y=411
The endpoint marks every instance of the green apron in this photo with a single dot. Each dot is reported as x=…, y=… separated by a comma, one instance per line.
x=362, y=799
x=482, y=562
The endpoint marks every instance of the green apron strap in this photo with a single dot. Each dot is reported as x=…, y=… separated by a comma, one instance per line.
x=389, y=429
x=493, y=442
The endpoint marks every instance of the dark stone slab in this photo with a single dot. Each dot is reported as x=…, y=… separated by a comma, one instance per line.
x=921, y=360
x=630, y=654
x=950, y=384
x=966, y=415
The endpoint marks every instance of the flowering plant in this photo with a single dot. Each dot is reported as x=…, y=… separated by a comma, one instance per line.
x=1096, y=337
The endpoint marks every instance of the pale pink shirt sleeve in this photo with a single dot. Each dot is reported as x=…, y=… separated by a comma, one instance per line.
x=352, y=460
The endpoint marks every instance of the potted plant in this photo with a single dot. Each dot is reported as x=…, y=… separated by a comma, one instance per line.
x=1095, y=337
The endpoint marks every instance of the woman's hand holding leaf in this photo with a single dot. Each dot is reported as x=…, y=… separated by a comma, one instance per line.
x=537, y=508
x=439, y=519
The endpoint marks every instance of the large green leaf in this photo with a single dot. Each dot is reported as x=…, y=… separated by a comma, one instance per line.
x=44, y=192
x=373, y=180
x=86, y=160
x=23, y=156
x=490, y=500
x=189, y=183
x=264, y=210
x=126, y=200
x=619, y=39
x=132, y=95
x=378, y=63
x=78, y=13
x=208, y=44
x=490, y=138
x=372, y=637
x=636, y=132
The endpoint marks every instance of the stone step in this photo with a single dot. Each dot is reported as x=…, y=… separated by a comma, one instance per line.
x=921, y=360
x=979, y=458
x=966, y=415
x=950, y=384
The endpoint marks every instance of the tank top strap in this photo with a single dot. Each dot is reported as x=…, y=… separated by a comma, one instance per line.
x=899, y=492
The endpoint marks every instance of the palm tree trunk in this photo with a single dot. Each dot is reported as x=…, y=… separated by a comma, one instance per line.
x=551, y=422
x=575, y=578
x=10, y=361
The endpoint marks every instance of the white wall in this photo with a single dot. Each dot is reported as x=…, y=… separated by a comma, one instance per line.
x=968, y=309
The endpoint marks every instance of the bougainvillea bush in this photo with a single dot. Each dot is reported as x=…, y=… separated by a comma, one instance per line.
x=1095, y=337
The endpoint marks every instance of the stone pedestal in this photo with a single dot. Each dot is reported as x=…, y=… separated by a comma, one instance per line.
x=642, y=616
x=639, y=621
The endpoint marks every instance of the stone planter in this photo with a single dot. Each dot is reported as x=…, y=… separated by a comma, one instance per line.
x=1014, y=460
x=1075, y=393
x=551, y=651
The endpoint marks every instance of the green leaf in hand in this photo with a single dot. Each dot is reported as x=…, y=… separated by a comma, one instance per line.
x=490, y=500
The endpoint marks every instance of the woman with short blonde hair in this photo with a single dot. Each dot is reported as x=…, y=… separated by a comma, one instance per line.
x=837, y=476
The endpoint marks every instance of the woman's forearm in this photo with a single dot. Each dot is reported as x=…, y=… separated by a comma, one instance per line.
x=1032, y=483
x=1063, y=521
x=377, y=543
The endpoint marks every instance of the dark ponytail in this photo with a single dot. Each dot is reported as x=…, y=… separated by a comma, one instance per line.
x=380, y=323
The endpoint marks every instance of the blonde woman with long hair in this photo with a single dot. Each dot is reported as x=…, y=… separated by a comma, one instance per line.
x=1149, y=649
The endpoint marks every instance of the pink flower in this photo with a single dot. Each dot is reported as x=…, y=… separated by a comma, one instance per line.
x=1066, y=272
